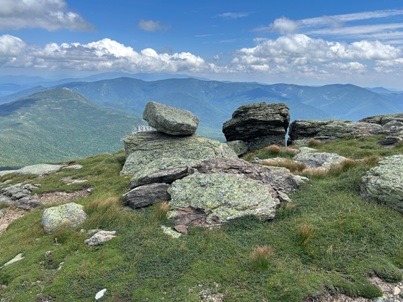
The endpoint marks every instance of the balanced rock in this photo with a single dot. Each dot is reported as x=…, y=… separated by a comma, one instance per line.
x=157, y=157
x=212, y=199
x=258, y=125
x=331, y=129
x=170, y=120
x=66, y=215
x=384, y=183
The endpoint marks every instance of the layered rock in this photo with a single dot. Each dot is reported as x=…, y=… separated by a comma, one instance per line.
x=383, y=119
x=331, y=129
x=384, y=183
x=258, y=125
x=170, y=120
x=157, y=157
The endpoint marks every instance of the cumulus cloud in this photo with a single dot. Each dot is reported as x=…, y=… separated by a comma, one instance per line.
x=102, y=55
x=150, y=25
x=48, y=14
x=300, y=54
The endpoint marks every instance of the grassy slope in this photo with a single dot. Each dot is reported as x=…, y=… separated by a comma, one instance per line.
x=327, y=239
x=58, y=125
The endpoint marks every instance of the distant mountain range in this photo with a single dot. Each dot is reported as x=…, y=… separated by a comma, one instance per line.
x=115, y=105
x=58, y=124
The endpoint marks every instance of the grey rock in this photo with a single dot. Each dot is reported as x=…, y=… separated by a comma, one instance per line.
x=162, y=176
x=331, y=130
x=6, y=172
x=40, y=169
x=170, y=120
x=1, y=214
x=17, y=258
x=384, y=183
x=219, y=197
x=100, y=238
x=239, y=147
x=389, y=140
x=149, y=154
x=383, y=118
x=258, y=125
x=280, y=179
x=63, y=216
x=318, y=159
x=146, y=195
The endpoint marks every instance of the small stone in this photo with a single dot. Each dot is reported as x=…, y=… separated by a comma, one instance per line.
x=100, y=238
x=396, y=291
x=100, y=294
x=17, y=258
x=181, y=228
x=1, y=214
x=170, y=232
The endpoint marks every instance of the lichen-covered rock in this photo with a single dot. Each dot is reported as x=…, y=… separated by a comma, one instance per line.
x=39, y=169
x=64, y=216
x=239, y=147
x=258, y=125
x=170, y=120
x=318, y=159
x=146, y=195
x=149, y=154
x=330, y=130
x=384, y=183
x=220, y=197
x=100, y=238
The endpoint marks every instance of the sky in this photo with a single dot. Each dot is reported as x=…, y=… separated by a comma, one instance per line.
x=309, y=42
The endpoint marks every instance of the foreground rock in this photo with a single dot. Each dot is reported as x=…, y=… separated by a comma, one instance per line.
x=318, y=159
x=219, y=197
x=64, y=216
x=330, y=130
x=258, y=125
x=170, y=120
x=384, y=183
x=156, y=157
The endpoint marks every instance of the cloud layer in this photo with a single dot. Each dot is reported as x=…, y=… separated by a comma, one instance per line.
x=47, y=14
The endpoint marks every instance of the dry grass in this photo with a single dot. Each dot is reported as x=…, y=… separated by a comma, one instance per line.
x=305, y=233
x=293, y=166
x=160, y=211
x=313, y=142
x=260, y=256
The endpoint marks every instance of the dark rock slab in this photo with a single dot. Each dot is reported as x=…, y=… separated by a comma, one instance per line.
x=146, y=195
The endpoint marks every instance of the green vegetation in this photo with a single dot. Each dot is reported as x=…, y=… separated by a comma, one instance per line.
x=327, y=239
x=58, y=125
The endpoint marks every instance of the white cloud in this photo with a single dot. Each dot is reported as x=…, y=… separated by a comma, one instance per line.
x=150, y=25
x=96, y=56
x=232, y=15
x=301, y=55
x=281, y=25
x=48, y=14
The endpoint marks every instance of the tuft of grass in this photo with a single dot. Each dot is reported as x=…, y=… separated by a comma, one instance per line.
x=271, y=151
x=260, y=257
x=313, y=143
x=305, y=233
x=293, y=166
x=160, y=211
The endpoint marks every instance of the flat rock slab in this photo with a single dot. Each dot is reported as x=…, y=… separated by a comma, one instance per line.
x=170, y=120
x=66, y=215
x=384, y=183
x=39, y=169
x=100, y=238
x=146, y=195
x=318, y=159
x=219, y=197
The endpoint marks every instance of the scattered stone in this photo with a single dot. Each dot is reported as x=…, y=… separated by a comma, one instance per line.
x=40, y=169
x=220, y=197
x=170, y=232
x=100, y=238
x=389, y=141
x=1, y=214
x=384, y=183
x=17, y=258
x=146, y=195
x=181, y=228
x=66, y=215
x=74, y=167
x=100, y=294
x=170, y=120
x=318, y=159
x=258, y=125
x=396, y=291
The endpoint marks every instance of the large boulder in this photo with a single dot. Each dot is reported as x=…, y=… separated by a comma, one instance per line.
x=331, y=129
x=258, y=125
x=158, y=157
x=68, y=215
x=384, y=183
x=212, y=199
x=170, y=120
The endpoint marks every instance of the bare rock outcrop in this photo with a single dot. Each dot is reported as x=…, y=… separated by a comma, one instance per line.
x=258, y=125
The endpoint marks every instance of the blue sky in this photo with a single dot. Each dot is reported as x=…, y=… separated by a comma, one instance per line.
x=303, y=42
